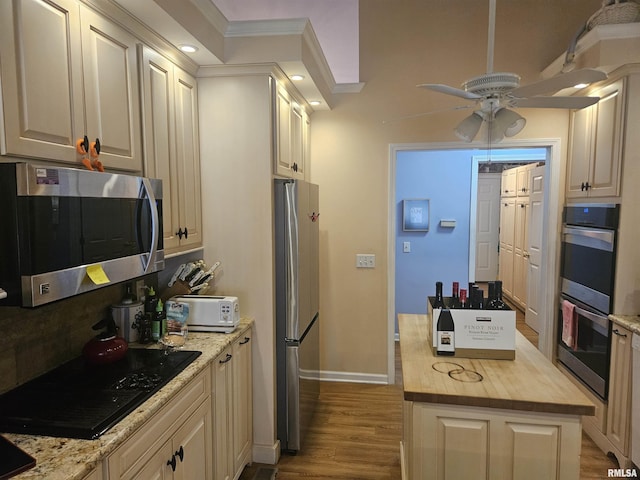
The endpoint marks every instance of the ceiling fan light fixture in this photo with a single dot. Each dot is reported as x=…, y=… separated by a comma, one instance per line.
x=469, y=127
x=509, y=122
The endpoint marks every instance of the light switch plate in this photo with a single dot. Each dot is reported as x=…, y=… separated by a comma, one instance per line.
x=406, y=247
x=365, y=260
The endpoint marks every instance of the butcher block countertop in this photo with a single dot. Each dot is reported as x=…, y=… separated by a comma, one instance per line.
x=528, y=383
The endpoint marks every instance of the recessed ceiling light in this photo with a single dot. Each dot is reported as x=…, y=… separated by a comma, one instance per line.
x=314, y=102
x=581, y=85
x=188, y=48
x=297, y=78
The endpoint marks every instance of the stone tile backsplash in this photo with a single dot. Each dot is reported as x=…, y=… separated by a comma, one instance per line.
x=35, y=340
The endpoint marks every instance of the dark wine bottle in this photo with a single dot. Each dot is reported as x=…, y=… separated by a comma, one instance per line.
x=446, y=334
x=497, y=303
x=439, y=300
x=455, y=295
x=492, y=293
x=479, y=303
x=463, y=298
x=473, y=295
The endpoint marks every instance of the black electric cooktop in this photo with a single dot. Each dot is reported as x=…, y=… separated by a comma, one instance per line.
x=80, y=400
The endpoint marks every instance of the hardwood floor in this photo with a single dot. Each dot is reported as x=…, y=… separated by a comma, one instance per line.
x=355, y=434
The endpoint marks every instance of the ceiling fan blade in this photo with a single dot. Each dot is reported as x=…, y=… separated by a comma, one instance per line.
x=564, y=80
x=554, y=102
x=447, y=90
x=417, y=115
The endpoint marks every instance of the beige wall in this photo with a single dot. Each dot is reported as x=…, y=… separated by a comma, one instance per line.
x=405, y=43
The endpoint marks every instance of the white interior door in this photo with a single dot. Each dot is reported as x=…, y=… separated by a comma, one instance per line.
x=487, y=227
x=534, y=249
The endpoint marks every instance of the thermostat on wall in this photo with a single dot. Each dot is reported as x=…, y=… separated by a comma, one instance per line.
x=447, y=223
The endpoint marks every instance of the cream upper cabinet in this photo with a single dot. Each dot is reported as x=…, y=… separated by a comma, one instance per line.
x=292, y=135
x=619, y=409
x=523, y=180
x=509, y=183
x=79, y=78
x=596, y=145
x=170, y=133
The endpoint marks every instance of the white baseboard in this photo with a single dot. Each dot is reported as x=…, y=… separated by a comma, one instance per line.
x=353, y=377
x=267, y=454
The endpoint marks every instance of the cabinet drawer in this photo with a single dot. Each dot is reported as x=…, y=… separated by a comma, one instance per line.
x=134, y=453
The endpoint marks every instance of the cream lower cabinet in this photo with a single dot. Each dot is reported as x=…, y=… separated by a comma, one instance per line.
x=175, y=443
x=67, y=72
x=171, y=140
x=95, y=475
x=507, y=232
x=232, y=409
x=619, y=402
x=447, y=442
x=520, y=253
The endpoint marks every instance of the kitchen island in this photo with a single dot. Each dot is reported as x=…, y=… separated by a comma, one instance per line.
x=486, y=419
x=75, y=459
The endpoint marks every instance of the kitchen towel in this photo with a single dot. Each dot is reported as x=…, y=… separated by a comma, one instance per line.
x=569, y=325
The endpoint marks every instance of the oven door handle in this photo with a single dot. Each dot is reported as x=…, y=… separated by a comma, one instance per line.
x=589, y=237
x=594, y=317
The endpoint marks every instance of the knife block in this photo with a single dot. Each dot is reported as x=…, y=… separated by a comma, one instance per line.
x=180, y=287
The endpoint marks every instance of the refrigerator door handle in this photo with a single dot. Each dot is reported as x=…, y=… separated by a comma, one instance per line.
x=291, y=342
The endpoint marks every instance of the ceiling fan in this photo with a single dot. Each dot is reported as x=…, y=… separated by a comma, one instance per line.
x=494, y=93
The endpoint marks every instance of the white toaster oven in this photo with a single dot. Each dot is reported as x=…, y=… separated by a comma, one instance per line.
x=208, y=313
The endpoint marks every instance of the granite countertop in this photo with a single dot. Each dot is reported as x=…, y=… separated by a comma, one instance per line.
x=72, y=459
x=529, y=383
x=632, y=322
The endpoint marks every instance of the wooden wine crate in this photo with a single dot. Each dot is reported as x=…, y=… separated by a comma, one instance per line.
x=477, y=333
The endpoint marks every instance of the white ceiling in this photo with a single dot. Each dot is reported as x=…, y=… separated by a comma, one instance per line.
x=335, y=23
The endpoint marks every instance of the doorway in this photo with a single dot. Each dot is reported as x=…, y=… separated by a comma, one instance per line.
x=552, y=216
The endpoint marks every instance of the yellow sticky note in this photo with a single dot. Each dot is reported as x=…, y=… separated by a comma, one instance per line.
x=97, y=275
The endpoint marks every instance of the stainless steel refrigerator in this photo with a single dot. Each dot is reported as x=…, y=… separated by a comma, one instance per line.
x=297, y=309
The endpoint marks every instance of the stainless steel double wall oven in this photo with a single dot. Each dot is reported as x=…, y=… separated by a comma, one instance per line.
x=587, y=281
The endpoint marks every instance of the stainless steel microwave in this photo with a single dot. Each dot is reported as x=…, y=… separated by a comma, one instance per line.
x=66, y=231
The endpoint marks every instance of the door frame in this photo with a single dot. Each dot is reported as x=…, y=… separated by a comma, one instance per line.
x=552, y=221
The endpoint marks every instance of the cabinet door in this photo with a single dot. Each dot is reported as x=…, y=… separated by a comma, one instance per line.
x=158, y=466
x=111, y=91
x=158, y=132
x=297, y=142
x=509, y=183
x=619, y=413
x=604, y=175
x=188, y=158
x=283, y=133
x=222, y=419
x=523, y=179
x=242, y=402
x=507, y=234
x=41, y=78
x=520, y=255
x=580, y=153
x=192, y=448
